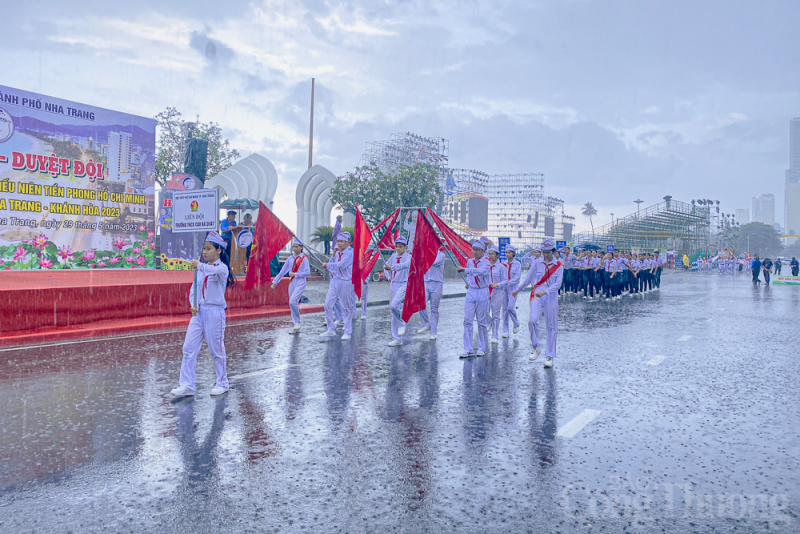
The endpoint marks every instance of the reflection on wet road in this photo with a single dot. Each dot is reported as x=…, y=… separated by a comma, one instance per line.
x=634, y=428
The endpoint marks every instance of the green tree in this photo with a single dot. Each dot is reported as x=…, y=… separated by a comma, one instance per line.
x=323, y=234
x=759, y=238
x=378, y=193
x=589, y=210
x=172, y=134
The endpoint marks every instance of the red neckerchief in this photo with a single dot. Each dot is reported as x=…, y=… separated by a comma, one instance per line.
x=297, y=264
x=394, y=273
x=475, y=264
x=205, y=284
x=491, y=277
x=548, y=272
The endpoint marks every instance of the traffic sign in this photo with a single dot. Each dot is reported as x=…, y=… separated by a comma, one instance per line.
x=561, y=244
x=609, y=248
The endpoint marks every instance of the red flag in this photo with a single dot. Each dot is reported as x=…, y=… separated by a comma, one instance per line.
x=426, y=246
x=387, y=241
x=270, y=236
x=459, y=246
x=361, y=239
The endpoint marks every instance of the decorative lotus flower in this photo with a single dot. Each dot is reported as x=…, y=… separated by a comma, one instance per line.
x=64, y=252
x=44, y=263
x=90, y=254
x=119, y=243
x=101, y=264
x=114, y=261
x=140, y=261
x=137, y=250
x=19, y=254
x=40, y=241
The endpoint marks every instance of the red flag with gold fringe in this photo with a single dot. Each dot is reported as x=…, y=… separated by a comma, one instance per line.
x=270, y=236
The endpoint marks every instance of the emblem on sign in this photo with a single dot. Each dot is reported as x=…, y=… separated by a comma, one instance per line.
x=6, y=126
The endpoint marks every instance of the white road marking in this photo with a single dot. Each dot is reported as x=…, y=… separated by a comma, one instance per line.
x=685, y=338
x=657, y=360
x=262, y=371
x=576, y=425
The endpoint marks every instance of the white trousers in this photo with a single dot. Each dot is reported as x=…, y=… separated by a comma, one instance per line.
x=208, y=324
x=433, y=294
x=397, y=295
x=476, y=307
x=296, y=288
x=510, y=309
x=548, y=304
x=339, y=293
x=496, y=298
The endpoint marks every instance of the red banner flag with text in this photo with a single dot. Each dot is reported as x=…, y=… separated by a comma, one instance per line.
x=426, y=246
x=361, y=239
x=459, y=246
x=270, y=236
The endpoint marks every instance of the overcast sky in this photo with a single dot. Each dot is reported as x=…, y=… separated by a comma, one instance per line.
x=610, y=99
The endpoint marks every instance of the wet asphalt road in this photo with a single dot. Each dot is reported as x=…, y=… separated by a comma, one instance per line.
x=672, y=412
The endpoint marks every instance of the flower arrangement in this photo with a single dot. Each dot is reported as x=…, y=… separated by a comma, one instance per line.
x=41, y=253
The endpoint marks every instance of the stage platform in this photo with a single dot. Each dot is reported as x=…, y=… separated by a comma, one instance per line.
x=43, y=306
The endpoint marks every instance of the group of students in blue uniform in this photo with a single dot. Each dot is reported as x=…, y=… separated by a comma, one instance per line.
x=493, y=282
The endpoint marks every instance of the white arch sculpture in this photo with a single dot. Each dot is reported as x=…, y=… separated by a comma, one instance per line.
x=251, y=177
x=313, y=199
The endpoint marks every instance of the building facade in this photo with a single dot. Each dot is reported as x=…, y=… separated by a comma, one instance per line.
x=764, y=209
x=120, y=148
x=742, y=216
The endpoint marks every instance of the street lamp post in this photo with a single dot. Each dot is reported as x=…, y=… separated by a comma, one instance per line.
x=638, y=203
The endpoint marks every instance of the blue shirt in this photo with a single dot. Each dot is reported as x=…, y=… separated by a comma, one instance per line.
x=225, y=227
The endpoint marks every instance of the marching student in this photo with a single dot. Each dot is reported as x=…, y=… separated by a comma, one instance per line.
x=660, y=261
x=207, y=299
x=340, y=266
x=546, y=277
x=434, y=287
x=398, y=266
x=568, y=259
x=476, y=305
x=299, y=270
x=513, y=274
x=498, y=281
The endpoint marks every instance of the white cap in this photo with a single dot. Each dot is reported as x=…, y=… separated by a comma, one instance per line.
x=214, y=237
x=402, y=240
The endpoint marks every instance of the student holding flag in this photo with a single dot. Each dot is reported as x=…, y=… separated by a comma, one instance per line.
x=547, y=276
x=398, y=267
x=340, y=267
x=434, y=287
x=476, y=305
x=299, y=270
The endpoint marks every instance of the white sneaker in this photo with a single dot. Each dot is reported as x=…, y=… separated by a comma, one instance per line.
x=516, y=329
x=181, y=391
x=464, y=355
x=363, y=316
x=395, y=343
x=480, y=353
x=495, y=341
x=534, y=354
x=401, y=331
x=548, y=362
x=433, y=337
x=328, y=333
x=218, y=390
x=424, y=329
x=505, y=334
x=345, y=337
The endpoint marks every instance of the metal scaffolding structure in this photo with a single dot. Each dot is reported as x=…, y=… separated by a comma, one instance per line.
x=463, y=201
x=668, y=225
x=407, y=149
x=516, y=203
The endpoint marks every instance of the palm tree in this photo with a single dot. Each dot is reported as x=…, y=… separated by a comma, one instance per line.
x=323, y=234
x=590, y=211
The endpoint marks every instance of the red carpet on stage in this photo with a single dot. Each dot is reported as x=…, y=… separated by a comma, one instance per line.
x=40, y=305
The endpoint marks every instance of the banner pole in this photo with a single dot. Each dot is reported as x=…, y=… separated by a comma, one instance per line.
x=446, y=249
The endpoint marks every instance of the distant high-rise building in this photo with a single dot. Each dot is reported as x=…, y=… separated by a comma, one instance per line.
x=764, y=209
x=742, y=216
x=791, y=206
x=120, y=147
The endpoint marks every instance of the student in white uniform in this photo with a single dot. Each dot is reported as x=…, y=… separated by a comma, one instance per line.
x=513, y=273
x=476, y=305
x=434, y=286
x=498, y=281
x=208, y=317
x=299, y=270
x=340, y=266
x=546, y=277
x=397, y=272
